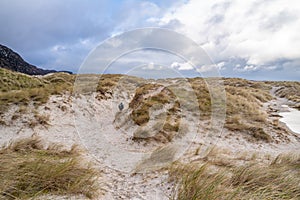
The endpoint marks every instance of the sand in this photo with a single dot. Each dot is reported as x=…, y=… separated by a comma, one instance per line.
x=131, y=170
x=292, y=119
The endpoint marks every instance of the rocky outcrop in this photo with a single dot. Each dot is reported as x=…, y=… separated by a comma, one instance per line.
x=13, y=61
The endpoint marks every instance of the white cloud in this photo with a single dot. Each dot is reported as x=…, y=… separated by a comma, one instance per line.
x=221, y=65
x=246, y=68
x=151, y=65
x=58, y=48
x=260, y=32
x=212, y=67
x=182, y=66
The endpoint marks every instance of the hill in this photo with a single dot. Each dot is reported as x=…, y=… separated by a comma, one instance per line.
x=14, y=62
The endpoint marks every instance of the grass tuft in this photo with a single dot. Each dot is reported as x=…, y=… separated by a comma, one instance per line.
x=28, y=170
x=277, y=180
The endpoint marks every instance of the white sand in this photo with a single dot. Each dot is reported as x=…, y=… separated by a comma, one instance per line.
x=292, y=119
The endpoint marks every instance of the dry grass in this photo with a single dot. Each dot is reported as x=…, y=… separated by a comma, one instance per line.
x=103, y=84
x=289, y=90
x=277, y=180
x=243, y=105
x=244, y=101
x=16, y=81
x=28, y=170
x=17, y=88
x=203, y=96
x=106, y=85
x=156, y=96
x=39, y=120
x=141, y=103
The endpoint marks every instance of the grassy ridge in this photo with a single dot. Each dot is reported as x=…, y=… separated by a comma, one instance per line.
x=244, y=101
x=17, y=88
x=243, y=106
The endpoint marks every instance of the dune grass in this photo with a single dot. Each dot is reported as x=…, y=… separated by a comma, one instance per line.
x=203, y=96
x=21, y=89
x=289, y=90
x=28, y=170
x=141, y=103
x=154, y=95
x=276, y=180
x=244, y=101
x=15, y=81
x=243, y=105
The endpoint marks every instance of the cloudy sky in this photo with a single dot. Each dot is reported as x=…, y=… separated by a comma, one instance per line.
x=253, y=39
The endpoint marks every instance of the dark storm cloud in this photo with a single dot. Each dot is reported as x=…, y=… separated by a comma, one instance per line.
x=59, y=34
x=38, y=24
x=34, y=27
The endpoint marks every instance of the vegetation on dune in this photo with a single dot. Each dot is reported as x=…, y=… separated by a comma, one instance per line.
x=203, y=96
x=16, y=81
x=289, y=90
x=103, y=84
x=156, y=96
x=21, y=89
x=276, y=180
x=141, y=104
x=106, y=84
x=243, y=104
x=28, y=170
x=244, y=111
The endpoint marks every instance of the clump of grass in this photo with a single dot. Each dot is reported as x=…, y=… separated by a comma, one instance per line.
x=195, y=182
x=260, y=134
x=277, y=180
x=39, y=120
x=141, y=104
x=155, y=95
x=28, y=170
x=42, y=119
x=106, y=84
x=2, y=122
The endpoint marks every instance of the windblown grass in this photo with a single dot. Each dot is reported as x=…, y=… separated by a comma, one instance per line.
x=21, y=89
x=289, y=90
x=244, y=101
x=277, y=180
x=203, y=96
x=28, y=170
x=141, y=104
x=156, y=96
x=106, y=85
